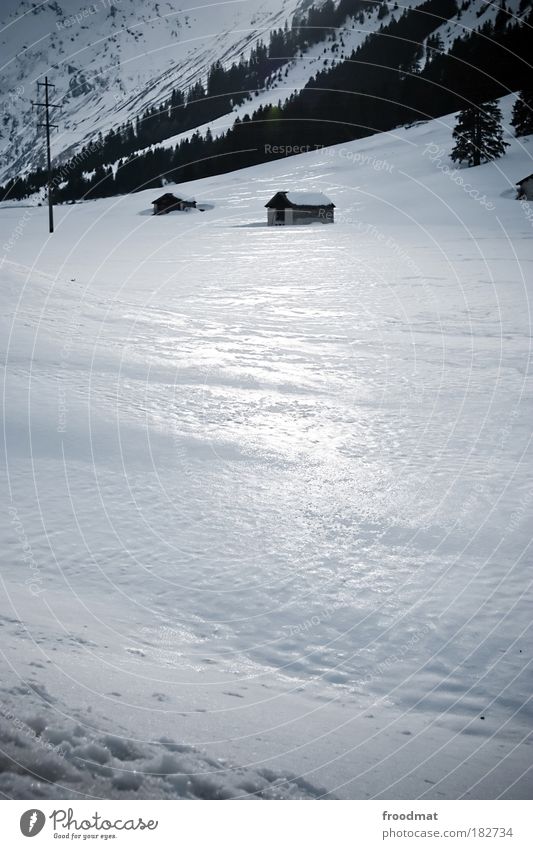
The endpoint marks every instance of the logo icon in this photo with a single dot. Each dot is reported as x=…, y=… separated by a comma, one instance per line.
x=32, y=822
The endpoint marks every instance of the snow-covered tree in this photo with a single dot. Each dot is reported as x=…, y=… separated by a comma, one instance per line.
x=434, y=46
x=523, y=113
x=478, y=134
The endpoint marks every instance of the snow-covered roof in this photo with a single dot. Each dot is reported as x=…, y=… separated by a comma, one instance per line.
x=308, y=198
x=281, y=199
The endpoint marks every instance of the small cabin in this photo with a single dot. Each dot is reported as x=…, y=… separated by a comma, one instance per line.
x=524, y=188
x=170, y=203
x=299, y=208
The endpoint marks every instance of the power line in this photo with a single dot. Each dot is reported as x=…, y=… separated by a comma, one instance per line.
x=47, y=106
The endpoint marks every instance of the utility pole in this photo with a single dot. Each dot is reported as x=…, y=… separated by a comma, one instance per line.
x=47, y=106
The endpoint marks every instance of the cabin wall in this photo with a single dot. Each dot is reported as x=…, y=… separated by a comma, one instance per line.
x=525, y=190
x=273, y=220
x=179, y=206
x=327, y=216
x=308, y=216
x=300, y=216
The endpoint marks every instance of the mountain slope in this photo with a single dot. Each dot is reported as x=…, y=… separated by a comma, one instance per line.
x=376, y=68
x=112, y=60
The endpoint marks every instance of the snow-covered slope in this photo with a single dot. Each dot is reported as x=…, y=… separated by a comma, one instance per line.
x=111, y=60
x=472, y=15
x=296, y=72
x=268, y=488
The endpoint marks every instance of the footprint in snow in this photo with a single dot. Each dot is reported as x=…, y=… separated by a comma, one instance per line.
x=161, y=697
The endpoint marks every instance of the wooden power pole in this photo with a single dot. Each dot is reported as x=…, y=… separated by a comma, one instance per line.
x=47, y=106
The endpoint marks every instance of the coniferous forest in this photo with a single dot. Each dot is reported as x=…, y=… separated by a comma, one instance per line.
x=378, y=87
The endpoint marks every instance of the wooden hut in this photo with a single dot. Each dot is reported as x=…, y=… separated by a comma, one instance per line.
x=299, y=208
x=170, y=203
x=524, y=188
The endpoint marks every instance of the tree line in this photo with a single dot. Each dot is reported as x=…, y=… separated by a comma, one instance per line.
x=204, y=101
x=398, y=75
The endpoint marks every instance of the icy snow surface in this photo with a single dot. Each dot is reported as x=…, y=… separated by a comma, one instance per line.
x=308, y=198
x=267, y=505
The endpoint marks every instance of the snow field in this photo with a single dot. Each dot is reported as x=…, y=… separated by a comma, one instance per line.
x=267, y=488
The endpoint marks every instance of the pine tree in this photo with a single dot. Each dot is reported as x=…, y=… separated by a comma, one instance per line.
x=523, y=113
x=478, y=134
x=434, y=46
